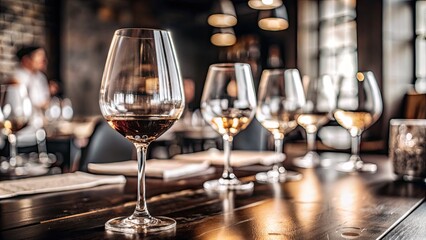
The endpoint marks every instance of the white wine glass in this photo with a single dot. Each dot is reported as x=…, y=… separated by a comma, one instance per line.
x=228, y=104
x=359, y=105
x=141, y=97
x=280, y=101
x=16, y=110
x=317, y=111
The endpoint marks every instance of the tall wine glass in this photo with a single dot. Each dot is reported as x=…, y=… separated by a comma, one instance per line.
x=359, y=105
x=228, y=104
x=320, y=102
x=280, y=101
x=15, y=114
x=141, y=97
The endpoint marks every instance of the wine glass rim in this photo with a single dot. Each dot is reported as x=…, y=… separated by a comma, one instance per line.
x=402, y=121
x=228, y=65
x=273, y=70
x=121, y=31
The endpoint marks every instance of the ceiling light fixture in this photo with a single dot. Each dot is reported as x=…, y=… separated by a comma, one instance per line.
x=264, y=4
x=223, y=37
x=223, y=14
x=273, y=20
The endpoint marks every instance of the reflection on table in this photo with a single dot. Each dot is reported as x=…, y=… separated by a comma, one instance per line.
x=325, y=204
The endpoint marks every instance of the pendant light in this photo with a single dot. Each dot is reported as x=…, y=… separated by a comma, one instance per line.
x=223, y=37
x=223, y=14
x=273, y=20
x=264, y=4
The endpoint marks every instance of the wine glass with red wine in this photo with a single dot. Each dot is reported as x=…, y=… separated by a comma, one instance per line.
x=141, y=97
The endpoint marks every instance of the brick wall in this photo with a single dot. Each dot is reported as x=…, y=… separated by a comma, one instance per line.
x=21, y=22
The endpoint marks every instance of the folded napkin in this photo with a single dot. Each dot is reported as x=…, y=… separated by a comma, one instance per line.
x=55, y=183
x=154, y=168
x=239, y=158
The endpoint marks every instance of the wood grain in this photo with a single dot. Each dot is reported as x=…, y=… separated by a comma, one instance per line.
x=325, y=204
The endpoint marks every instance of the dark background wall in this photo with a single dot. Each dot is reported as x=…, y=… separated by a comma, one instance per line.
x=87, y=28
x=77, y=34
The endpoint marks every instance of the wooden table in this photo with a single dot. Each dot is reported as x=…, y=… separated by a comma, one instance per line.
x=325, y=204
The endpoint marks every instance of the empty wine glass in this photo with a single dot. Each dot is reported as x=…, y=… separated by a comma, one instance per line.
x=320, y=102
x=15, y=114
x=141, y=97
x=228, y=104
x=359, y=105
x=67, y=111
x=53, y=111
x=280, y=101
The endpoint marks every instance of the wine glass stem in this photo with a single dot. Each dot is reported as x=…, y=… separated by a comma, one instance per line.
x=355, y=146
x=310, y=136
x=141, y=208
x=278, y=145
x=227, y=146
x=278, y=149
x=13, y=151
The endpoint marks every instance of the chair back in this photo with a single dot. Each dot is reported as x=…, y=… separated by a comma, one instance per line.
x=106, y=145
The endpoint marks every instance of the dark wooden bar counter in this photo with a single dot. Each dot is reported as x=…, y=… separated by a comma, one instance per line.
x=325, y=204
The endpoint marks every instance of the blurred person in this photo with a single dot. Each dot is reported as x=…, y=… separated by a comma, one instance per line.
x=31, y=74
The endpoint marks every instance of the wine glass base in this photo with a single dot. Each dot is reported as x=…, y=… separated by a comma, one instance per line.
x=359, y=166
x=310, y=160
x=140, y=225
x=274, y=176
x=219, y=185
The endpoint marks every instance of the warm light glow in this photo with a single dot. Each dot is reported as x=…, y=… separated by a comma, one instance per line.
x=273, y=24
x=267, y=2
x=264, y=4
x=151, y=86
x=223, y=39
x=308, y=206
x=7, y=125
x=346, y=194
x=355, y=122
x=272, y=216
x=222, y=20
x=360, y=76
x=232, y=88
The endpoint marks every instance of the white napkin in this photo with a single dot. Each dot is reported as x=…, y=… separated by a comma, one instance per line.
x=154, y=168
x=239, y=158
x=55, y=183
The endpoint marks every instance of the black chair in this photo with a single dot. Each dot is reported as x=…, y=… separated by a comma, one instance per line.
x=254, y=137
x=106, y=145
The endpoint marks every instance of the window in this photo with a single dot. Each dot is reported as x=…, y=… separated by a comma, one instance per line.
x=420, y=48
x=328, y=39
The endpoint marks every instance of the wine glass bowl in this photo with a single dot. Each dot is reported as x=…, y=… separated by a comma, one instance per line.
x=280, y=101
x=359, y=105
x=228, y=104
x=141, y=96
x=317, y=111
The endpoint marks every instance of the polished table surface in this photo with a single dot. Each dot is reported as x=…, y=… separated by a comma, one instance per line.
x=325, y=204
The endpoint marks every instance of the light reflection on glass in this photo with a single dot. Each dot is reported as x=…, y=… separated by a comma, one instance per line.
x=130, y=98
x=360, y=76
